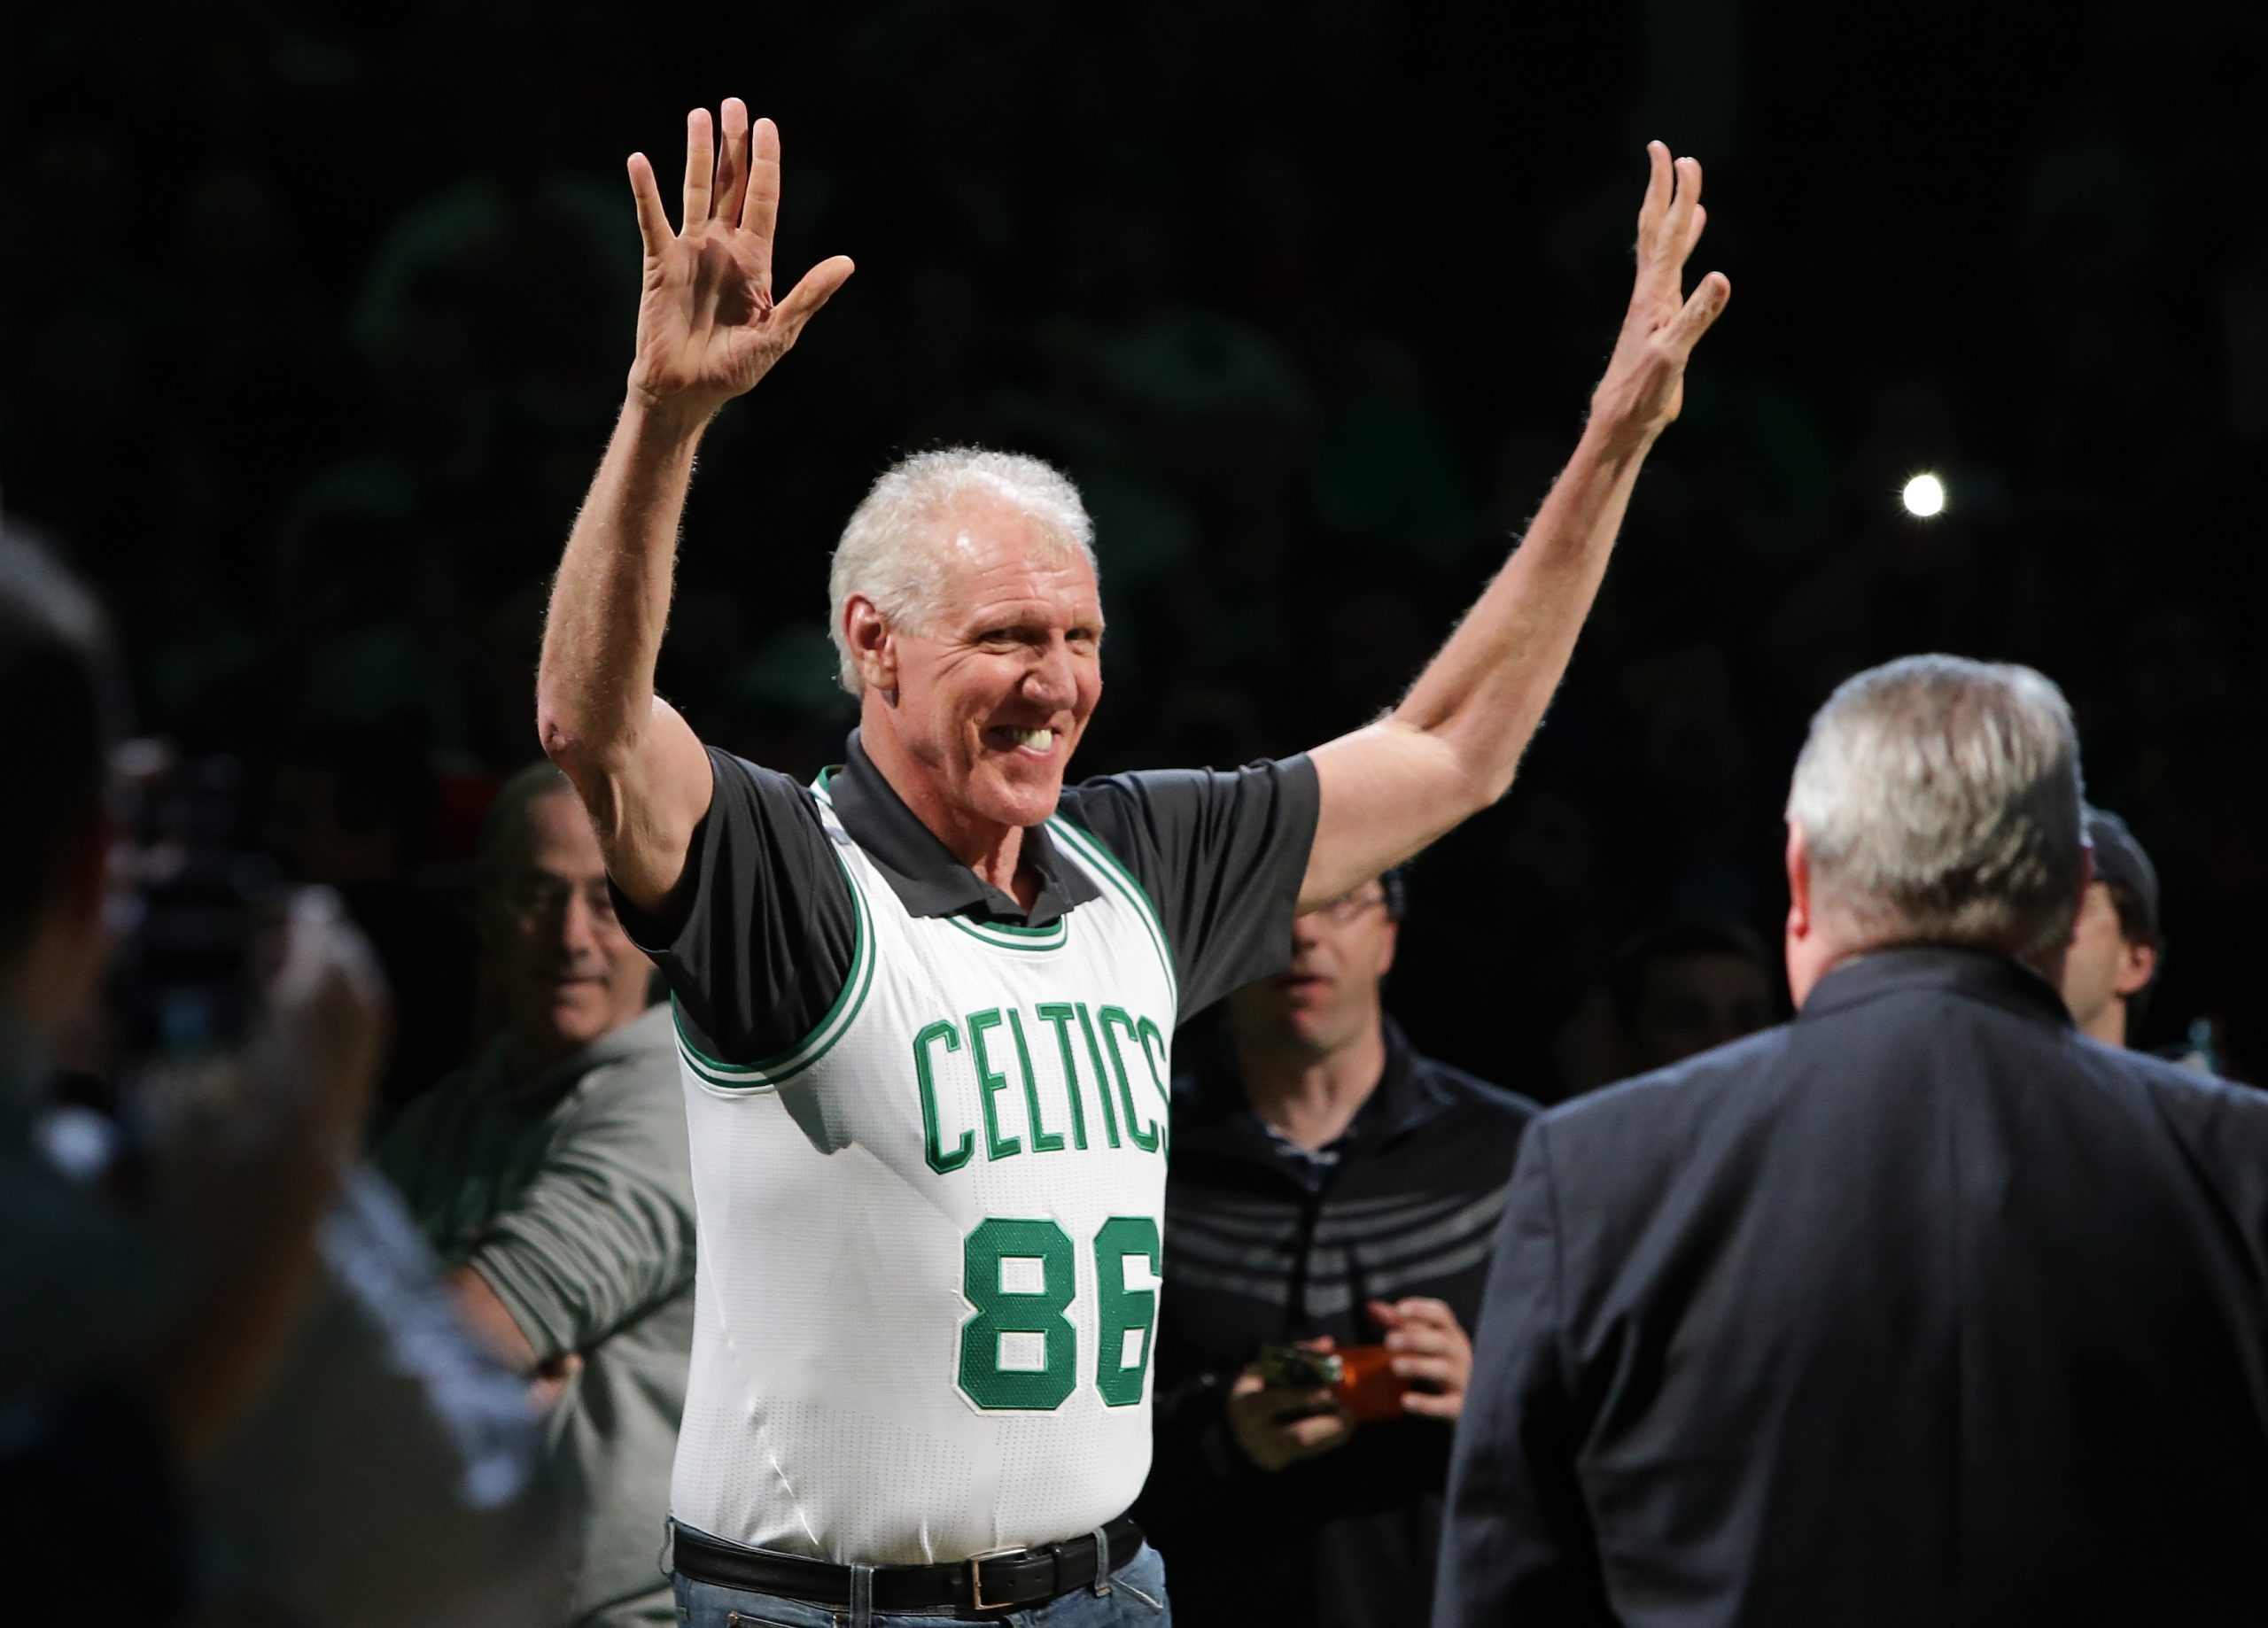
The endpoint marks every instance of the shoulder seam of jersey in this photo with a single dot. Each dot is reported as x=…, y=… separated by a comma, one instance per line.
x=784, y=1065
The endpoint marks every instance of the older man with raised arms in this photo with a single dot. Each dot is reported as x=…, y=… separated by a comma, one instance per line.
x=923, y=1005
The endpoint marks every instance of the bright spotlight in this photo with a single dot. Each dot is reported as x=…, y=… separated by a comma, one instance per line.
x=1924, y=496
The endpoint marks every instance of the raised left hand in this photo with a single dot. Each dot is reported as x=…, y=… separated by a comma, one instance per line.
x=1644, y=385
x=1430, y=1350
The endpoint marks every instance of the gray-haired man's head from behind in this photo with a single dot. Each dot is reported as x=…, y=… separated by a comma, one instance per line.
x=1939, y=799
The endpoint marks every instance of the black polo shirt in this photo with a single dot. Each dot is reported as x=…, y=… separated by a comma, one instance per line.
x=757, y=941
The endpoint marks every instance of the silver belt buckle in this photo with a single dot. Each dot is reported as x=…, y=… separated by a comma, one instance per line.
x=975, y=1564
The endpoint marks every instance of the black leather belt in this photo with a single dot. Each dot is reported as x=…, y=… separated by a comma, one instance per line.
x=990, y=1582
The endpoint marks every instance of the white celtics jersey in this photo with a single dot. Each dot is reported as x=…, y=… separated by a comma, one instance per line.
x=929, y=1237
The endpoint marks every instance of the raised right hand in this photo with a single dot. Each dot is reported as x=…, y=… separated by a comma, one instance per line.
x=708, y=328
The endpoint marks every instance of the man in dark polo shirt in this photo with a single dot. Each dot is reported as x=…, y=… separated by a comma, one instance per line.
x=924, y=1006
x=1328, y=1185
x=1922, y=1308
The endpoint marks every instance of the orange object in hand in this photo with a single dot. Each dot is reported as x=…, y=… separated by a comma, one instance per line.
x=1368, y=1387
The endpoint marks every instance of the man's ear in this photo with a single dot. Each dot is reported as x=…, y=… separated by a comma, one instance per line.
x=873, y=652
x=1801, y=946
x=1799, y=861
x=2138, y=963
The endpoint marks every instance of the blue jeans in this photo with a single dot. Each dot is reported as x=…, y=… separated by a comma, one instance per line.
x=1136, y=1599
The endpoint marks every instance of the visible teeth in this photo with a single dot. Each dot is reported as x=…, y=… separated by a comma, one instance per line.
x=1039, y=739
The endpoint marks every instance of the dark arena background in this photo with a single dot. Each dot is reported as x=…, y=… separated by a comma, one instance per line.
x=313, y=320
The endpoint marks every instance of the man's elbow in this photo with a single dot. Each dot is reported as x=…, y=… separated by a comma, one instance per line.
x=563, y=742
x=1478, y=782
x=1464, y=770
x=570, y=739
x=1488, y=761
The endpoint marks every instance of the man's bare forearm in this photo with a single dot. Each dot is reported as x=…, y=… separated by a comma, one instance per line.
x=1486, y=692
x=611, y=602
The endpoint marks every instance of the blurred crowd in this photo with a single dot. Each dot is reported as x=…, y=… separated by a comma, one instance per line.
x=314, y=324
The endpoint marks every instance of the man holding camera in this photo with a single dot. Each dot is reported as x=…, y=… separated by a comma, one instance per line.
x=1331, y=1188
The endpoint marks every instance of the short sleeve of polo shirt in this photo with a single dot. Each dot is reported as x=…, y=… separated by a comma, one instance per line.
x=759, y=937
x=1221, y=854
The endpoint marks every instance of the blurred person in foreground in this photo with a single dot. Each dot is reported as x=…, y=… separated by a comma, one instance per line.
x=1921, y=1308
x=132, y=1344
x=552, y=1177
x=1331, y=1186
x=2114, y=956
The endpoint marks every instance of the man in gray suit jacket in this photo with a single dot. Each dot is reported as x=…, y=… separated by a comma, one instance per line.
x=1921, y=1308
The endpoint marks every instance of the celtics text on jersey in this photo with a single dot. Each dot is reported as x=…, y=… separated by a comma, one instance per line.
x=929, y=1237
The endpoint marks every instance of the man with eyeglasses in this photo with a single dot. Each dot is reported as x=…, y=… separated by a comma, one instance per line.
x=552, y=1176
x=1330, y=1187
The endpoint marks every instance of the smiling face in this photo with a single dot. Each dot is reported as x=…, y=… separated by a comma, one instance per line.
x=564, y=970
x=981, y=705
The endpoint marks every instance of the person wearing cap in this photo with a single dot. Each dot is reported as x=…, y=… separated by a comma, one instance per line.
x=2114, y=956
x=1330, y=1184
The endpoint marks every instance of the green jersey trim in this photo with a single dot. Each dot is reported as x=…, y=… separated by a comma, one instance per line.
x=1007, y=935
x=785, y=1066
x=1116, y=877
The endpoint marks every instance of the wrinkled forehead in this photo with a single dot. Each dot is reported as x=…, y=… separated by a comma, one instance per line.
x=990, y=553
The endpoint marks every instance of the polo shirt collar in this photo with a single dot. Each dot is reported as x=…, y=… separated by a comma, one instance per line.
x=928, y=881
x=1403, y=1098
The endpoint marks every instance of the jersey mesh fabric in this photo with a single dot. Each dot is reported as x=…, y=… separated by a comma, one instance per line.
x=829, y=1410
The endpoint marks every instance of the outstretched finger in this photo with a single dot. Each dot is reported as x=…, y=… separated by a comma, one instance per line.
x=1659, y=186
x=732, y=175
x=1435, y=1370
x=1680, y=220
x=1693, y=232
x=653, y=219
x=700, y=164
x=1707, y=304
x=761, y=213
x=816, y=288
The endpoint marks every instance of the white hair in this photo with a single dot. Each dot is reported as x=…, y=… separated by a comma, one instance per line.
x=893, y=547
x=1939, y=800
